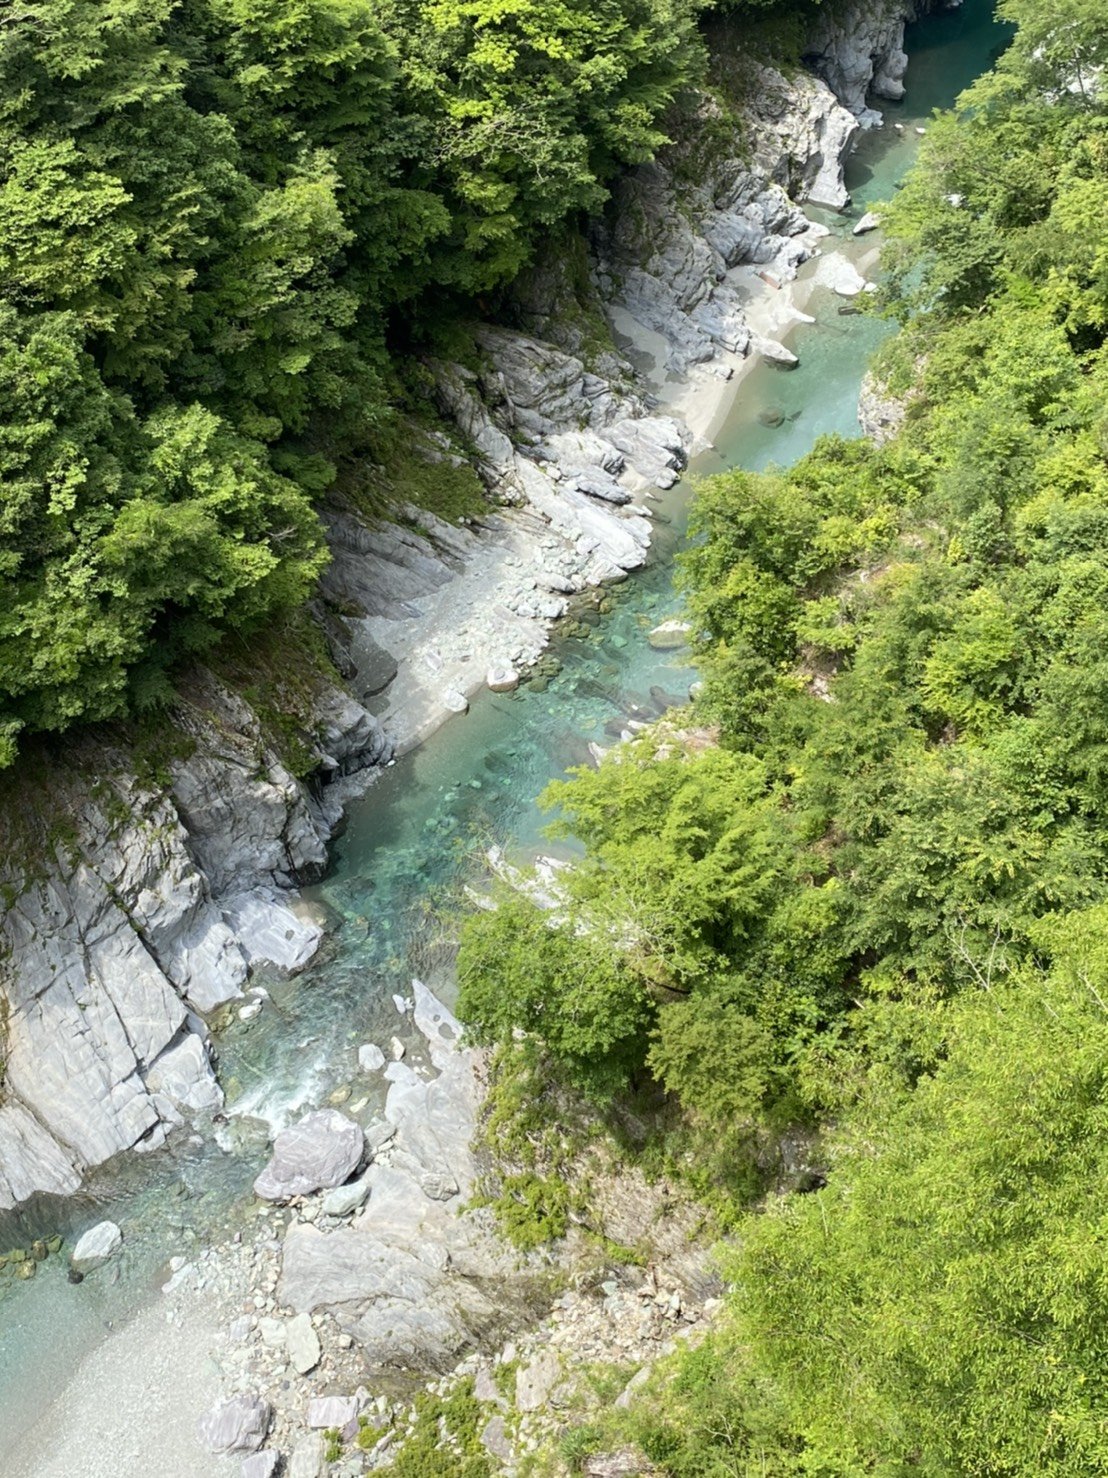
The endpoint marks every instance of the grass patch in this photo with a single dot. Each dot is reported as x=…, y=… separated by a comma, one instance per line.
x=444, y=1440
x=417, y=461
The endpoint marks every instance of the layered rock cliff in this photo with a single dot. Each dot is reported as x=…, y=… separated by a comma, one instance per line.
x=133, y=908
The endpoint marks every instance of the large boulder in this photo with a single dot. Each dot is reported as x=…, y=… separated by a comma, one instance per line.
x=535, y=1382
x=321, y=1151
x=96, y=1245
x=370, y=1057
x=237, y=1425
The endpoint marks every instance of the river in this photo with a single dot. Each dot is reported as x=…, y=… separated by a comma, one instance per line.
x=421, y=830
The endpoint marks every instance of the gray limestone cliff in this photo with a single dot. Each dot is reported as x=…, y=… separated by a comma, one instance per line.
x=129, y=910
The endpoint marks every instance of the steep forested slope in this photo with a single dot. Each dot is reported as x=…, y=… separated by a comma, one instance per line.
x=870, y=888
x=215, y=215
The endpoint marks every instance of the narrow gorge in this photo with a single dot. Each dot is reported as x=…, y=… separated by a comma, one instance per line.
x=218, y=923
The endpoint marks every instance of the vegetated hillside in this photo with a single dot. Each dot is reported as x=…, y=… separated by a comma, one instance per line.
x=215, y=217
x=880, y=903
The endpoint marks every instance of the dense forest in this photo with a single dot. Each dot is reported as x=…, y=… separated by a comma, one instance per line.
x=219, y=221
x=858, y=896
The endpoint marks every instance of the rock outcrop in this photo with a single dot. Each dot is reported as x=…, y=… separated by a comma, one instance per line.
x=859, y=51
x=413, y=1276
x=677, y=257
x=130, y=910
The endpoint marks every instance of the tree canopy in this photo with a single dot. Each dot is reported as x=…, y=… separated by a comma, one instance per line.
x=213, y=214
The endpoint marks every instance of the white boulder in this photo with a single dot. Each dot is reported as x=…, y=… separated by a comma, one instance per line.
x=370, y=1058
x=502, y=678
x=319, y=1152
x=96, y=1246
x=237, y=1425
x=332, y=1411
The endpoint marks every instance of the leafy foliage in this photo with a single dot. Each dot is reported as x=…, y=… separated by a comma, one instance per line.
x=212, y=214
x=882, y=899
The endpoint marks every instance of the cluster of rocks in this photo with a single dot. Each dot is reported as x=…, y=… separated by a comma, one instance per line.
x=23, y=1262
x=368, y=1260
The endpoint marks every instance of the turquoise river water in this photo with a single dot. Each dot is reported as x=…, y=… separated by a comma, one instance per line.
x=421, y=830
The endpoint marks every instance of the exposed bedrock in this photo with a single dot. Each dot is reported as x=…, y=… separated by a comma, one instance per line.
x=130, y=911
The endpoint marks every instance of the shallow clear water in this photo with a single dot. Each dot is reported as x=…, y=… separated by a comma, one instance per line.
x=421, y=831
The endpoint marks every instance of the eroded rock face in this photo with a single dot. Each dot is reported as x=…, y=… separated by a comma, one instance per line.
x=859, y=51
x=666, y=252
x=565, y=451
x=146, y=913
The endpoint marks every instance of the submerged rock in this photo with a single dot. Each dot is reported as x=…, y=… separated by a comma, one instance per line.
x=319, y=1152
x=670, y=635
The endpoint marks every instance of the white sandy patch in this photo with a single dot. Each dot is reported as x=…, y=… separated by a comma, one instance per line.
x=129, y=1408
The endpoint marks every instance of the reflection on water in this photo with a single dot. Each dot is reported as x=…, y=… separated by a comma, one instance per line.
x=423, y=827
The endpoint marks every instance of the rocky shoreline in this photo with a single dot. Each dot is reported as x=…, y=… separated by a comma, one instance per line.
x=309, y=1323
